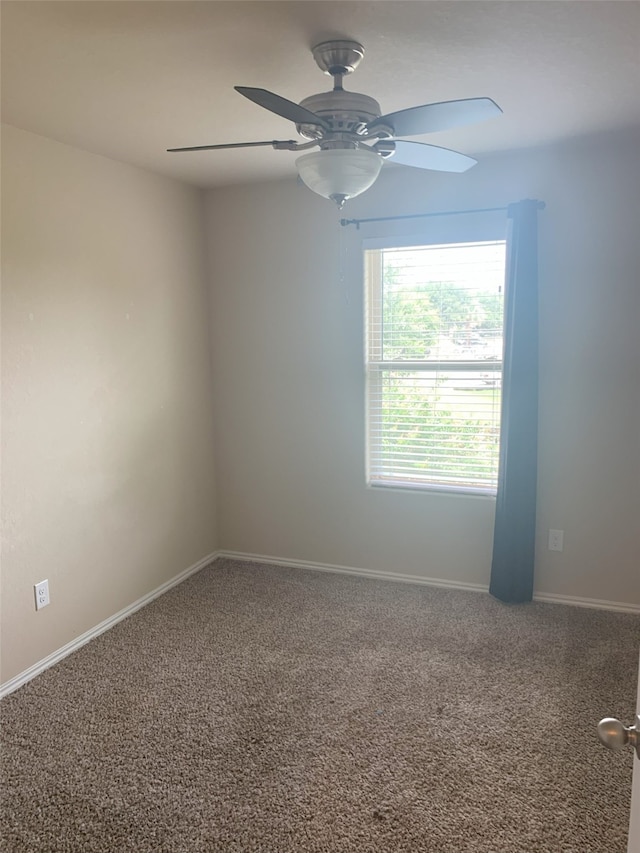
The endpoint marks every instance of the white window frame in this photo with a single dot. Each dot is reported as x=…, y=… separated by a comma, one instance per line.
x=376, y=368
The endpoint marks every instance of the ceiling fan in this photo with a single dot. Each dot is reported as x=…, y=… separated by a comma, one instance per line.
x=353, y=136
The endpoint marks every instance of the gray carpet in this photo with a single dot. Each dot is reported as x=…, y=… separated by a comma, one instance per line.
x=260, y=708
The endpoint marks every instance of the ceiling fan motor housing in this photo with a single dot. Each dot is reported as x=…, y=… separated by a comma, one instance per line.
x=346, y=112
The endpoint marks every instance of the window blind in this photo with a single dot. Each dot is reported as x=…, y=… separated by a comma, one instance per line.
x=434, y=364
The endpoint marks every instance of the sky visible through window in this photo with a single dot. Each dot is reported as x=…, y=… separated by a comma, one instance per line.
x=451, y=294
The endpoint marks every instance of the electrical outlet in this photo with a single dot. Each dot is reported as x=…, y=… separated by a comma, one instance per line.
x=556, y=540
x=41, y=591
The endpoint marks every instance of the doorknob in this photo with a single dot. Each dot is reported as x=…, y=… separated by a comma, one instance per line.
x=615, y=735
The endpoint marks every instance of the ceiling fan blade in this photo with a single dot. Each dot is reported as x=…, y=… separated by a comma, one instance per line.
x=281, y=106
x=274, y=144
x=432, y=157
x=434, y=117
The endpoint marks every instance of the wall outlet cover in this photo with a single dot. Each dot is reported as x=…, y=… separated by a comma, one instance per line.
x=556, y=540
x=41, y=591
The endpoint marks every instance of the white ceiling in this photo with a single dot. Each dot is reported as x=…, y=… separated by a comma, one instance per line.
x=130, y=79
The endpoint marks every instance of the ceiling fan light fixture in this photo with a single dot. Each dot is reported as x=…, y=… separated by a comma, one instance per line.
x=339, y=173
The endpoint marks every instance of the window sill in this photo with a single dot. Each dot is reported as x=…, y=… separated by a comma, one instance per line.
x=433, y=488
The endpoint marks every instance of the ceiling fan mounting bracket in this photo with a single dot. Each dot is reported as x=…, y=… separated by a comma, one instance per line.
x=338, y=57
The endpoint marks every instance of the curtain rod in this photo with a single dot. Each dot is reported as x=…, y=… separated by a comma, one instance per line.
x=358, y=222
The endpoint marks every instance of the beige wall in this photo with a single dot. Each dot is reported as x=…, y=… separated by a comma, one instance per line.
x=108, y=425
x=107, y=411
x=287, y=335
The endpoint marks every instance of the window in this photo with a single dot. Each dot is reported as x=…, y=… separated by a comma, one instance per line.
x=434, y=365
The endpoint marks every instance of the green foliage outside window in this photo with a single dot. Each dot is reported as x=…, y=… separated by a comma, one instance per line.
x=424, y=436
x=420, y=430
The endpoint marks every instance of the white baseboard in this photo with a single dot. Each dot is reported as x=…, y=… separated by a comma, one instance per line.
x=594, y=603
x=549, y=598
x=59, y=654
x=352, y=570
